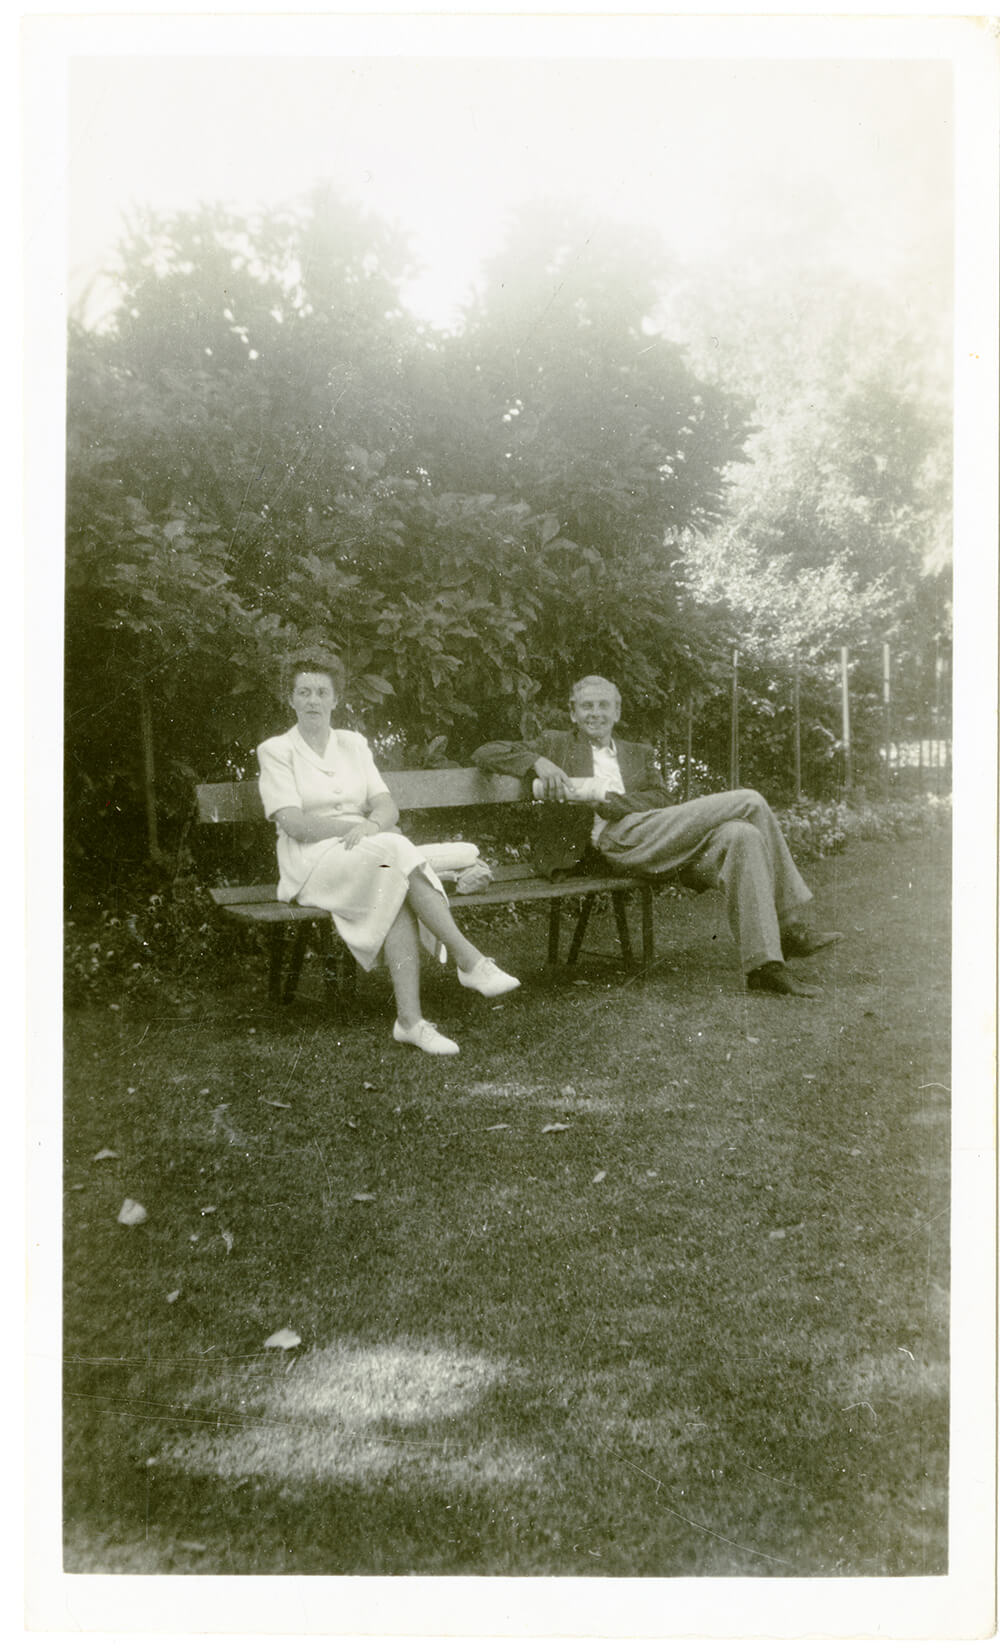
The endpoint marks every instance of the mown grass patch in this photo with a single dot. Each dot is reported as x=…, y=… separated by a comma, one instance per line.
x=700, y=1328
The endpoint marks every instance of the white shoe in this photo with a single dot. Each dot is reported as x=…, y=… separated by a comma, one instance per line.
x=488, y=978
x=424, y=1035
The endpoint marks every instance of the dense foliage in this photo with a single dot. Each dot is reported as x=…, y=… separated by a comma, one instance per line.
x=267, y=451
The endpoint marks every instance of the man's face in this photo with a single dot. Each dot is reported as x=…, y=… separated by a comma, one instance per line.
x=596, y=711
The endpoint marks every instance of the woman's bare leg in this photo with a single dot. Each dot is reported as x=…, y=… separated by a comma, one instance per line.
x=402, y=953
x=428, y=905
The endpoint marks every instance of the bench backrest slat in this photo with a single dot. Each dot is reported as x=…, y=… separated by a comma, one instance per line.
x=238, y=802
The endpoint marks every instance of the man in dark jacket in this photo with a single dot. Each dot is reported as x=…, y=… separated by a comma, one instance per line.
x=615, y=810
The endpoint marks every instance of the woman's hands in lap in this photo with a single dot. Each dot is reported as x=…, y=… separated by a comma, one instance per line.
x=358, y=832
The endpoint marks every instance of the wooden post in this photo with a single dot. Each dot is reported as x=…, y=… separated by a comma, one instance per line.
x=148, y=773
x=946, y=676
x=797, y=714
x=938, y=784
x=734, y=735
x=845, y=721
x=923, y=715
x=886, y=722
x=690, y=748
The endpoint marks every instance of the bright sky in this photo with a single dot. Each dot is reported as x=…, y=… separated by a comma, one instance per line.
x=841, y=161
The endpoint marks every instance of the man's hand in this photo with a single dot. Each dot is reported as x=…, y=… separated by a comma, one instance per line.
x=613, y=807
x=553, y=780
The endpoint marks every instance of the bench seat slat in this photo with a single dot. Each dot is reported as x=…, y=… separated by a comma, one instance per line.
x=262, y=903
x=225, y=896
x=273, y=915
x=540, y=887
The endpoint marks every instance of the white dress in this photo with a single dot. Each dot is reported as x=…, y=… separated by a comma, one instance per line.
x=363, y=887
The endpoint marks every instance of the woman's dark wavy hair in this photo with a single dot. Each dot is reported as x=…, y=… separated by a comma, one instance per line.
x=312, y=663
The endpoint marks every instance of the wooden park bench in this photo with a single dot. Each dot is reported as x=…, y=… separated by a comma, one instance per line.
x=290, y=928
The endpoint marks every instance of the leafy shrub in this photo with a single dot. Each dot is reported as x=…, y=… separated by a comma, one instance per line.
x=896, y=820
x=816, y=829
x=168, y=943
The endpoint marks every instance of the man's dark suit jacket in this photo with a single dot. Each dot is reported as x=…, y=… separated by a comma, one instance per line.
x=563, y=837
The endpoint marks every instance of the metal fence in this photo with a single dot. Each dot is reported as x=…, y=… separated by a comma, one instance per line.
x=861, y=726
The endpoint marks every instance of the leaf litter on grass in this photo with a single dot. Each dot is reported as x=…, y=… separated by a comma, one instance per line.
x=132, y=1213
x=749, y=1346
x=282, y=1339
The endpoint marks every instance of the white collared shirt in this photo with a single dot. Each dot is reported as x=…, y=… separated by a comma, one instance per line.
x=606, y=769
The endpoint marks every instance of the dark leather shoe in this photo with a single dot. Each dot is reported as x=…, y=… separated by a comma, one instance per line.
x=775, y=978
x=805, y=941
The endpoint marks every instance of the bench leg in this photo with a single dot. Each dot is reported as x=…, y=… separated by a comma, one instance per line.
x=555, y=911
x=340, y=970
x=299, y=943
x=580, y=928
x=621, y=922
x=276, y=953
x=347, y=973
x=646, y=894
x=328, y=955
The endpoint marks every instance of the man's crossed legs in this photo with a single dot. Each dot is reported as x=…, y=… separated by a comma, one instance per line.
x=731, y=841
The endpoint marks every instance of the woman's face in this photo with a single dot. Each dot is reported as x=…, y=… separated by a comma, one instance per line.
x=313, y=699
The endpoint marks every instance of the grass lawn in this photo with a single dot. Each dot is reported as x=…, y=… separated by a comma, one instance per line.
x=700, y=1328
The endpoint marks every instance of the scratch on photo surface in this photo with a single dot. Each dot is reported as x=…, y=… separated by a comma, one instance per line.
x=851, y=1407
x=246, y=494
x=750, y=1549
x=318, y=1149
x=295, y=1061
x=782, y=1481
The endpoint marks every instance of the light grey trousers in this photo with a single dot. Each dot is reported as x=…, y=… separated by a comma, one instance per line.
x=731, y=841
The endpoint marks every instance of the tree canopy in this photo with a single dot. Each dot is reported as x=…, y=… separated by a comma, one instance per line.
x=837, y=527
x=267, y=451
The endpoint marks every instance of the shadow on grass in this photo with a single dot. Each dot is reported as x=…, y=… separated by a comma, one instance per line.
x=652, y=1280
x=407, y=1458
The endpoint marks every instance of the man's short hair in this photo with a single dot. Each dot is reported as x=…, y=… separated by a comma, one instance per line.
x=594, y=681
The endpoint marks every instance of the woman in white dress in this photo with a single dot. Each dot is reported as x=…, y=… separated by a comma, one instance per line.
x=338, y=850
